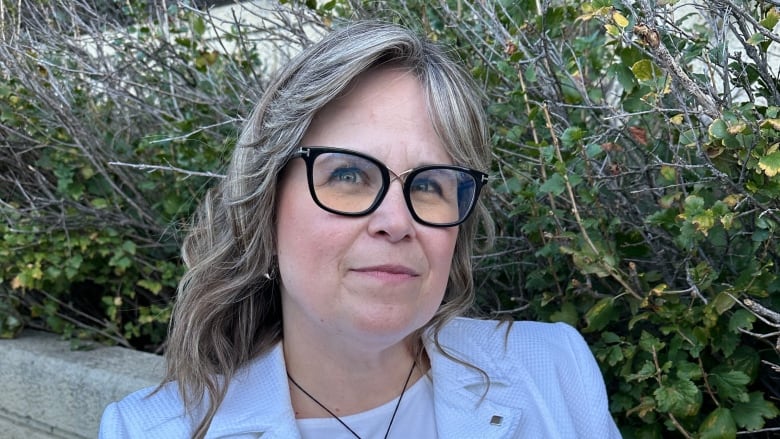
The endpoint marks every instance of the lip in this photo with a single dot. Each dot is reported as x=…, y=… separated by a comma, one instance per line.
x=388, y=271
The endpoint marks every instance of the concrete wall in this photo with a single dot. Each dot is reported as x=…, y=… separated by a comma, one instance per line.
x=48, y=390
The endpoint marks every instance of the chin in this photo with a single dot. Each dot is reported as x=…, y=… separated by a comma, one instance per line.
x=394, y=326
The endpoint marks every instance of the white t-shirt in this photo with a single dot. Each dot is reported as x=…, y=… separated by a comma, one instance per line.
x=415, y=419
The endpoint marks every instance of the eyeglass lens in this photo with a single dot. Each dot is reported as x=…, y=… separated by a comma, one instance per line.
x=352, y=184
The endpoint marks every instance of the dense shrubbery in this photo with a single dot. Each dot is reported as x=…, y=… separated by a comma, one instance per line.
x=89, y=240
x=636, y=181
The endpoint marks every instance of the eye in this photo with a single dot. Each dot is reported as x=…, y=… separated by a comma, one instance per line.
x=352, y=175
x=426, y=185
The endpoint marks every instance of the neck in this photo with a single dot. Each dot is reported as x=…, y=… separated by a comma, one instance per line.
x=347, y=381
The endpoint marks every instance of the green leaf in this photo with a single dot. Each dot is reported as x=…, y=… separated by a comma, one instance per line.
x=99, y=203
x=718, y=425
x=610, y=337
x=752, y=414
x=745, y=359
x=718, y=129
x=600, y=314
x=614, y=355
x=649, y=343
x=693, y=204
x=645, y=372
x=154, y=287
x=572, y=135
x=688, y=137
x=530, y=74
x=624, y=76
x=722, y=303
x=555, y=185
x=199, y=26
x=129, y=247
x=756, y=38
x=669, y=173
x=741, y=319
x=567, y=314
x=687, y=370
x=771, y=19
x=678, y=397
x=730, y=384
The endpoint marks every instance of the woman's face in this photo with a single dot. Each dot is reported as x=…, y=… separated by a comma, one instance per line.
x=374, y=278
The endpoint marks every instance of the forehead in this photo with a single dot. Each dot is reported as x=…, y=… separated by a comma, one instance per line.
x=383, y=113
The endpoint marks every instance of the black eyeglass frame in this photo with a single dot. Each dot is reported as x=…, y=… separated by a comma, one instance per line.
x=310, y=153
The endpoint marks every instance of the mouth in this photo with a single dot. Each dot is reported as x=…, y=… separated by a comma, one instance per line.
x=389, y=271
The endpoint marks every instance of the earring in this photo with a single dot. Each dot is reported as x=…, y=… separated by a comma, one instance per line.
x=272, y=272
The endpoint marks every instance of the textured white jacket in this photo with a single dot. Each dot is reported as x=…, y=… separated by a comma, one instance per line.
x=544, y=383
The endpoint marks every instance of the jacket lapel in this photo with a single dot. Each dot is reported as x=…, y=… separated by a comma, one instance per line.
x=257, y=403
x=462, y=401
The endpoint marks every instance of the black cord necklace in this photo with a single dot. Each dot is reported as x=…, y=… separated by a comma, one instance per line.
x=392, y=418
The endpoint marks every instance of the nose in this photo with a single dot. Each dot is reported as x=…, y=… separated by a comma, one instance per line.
x=392, y=218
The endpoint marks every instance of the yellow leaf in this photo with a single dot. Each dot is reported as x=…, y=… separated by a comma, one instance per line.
x=677, y=119
x=659, y=289
x=736, y=129
x=645, y=70
x=612, y=30
x=589, y=12
x=770, y=164
x=774, y=123
x=727, y=220
x=16, y=283
x=731, y=200
x=620, y=19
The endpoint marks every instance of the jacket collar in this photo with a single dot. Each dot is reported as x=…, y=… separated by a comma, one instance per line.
x=463, y=400
x=258, y=399
x=257, y=402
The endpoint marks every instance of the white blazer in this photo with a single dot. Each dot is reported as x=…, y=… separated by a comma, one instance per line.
x=544, y=383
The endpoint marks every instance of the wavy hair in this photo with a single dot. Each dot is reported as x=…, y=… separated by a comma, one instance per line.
x=228, y=311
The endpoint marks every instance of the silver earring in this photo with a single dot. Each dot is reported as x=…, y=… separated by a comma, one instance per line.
x=272, y=272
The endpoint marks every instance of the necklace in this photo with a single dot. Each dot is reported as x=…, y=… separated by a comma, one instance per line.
x=392, y=418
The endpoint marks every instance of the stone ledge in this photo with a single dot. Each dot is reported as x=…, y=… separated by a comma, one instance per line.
x=48, y=390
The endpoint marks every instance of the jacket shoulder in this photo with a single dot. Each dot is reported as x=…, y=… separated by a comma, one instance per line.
x=149, y=412
x=544, y=370
x=499, y=336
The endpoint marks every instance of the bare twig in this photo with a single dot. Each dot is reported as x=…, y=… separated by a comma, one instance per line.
x=152, y=168
x=762, y=311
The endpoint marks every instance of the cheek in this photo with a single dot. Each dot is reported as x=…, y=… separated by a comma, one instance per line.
x=448, y=244
x=442, y=256
x=308, y=242
x=292, y=216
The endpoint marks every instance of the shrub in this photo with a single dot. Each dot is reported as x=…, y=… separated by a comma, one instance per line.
x=112, y=127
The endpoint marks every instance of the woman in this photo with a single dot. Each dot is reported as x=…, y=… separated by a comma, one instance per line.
x=327, y=271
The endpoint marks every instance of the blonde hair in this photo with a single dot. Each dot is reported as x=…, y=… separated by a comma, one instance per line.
x=228, y=311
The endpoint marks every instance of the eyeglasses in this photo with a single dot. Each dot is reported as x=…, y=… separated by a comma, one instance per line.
x=349, y=183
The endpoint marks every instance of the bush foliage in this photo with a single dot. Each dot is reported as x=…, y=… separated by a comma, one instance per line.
x=636, y=182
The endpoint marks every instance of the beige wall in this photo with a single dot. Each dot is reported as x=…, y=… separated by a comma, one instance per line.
x=48, y=390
